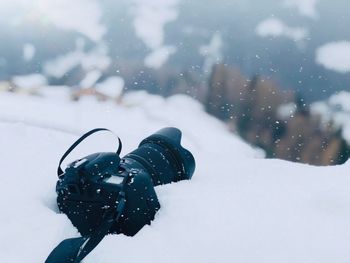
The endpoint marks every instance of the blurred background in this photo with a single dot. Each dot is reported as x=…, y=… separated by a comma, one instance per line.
x=276, y=72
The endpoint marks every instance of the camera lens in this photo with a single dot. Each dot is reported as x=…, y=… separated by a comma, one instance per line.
x=163, y=157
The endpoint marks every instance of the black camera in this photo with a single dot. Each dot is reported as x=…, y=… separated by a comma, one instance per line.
x=90, y=186
x=103, y=193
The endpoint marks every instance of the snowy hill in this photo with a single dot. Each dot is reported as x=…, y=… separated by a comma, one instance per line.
x=237, y=208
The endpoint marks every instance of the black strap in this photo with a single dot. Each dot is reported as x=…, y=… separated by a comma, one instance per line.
x=74, y=250
x=70, y=149
x=102, y=231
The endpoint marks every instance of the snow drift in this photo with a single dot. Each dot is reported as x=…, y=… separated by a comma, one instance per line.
x=237, y=208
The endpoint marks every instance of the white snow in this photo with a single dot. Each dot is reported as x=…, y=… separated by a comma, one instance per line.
x=95, y=59
x=83, y=16
x=337, y=110
x=212, y=52
x=59, y=66
x=28, y=51
x=56, y=94
x=274, y=27
x=237, y=208
x=29, y=81
x=335, y=56
x=305, y=7
x=150, y=18
x=112, y=86
x=159, y=56
x=286, y=111
x=90, y=79
x=341, y=101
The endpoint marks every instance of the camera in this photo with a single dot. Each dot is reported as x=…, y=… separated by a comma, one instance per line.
x=99, y=185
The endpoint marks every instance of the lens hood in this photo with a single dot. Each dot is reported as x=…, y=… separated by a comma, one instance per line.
x=170, y=139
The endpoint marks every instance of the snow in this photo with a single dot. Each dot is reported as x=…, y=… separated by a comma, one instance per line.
x=305, y=7
x=212, y=52
x=337, y=110
x=55, y=94
x=28, y=52
x=238, y=207
x=112, y=86
x=62, y=64
x=29, y=81
x=341, y=100
x=150, y=18
x=158, y=57
x=335, y=56
x=95, y=59
x=90, y=79
x=286, y=111
x=83, y=16
x=274, y=27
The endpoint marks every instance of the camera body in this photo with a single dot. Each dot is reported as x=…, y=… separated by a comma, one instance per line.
x=91, y=188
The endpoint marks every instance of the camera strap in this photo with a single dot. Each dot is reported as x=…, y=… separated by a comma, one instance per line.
x=77, y=142
x=74, y=250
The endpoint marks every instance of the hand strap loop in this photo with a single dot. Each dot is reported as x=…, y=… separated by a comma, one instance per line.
x=77, y=142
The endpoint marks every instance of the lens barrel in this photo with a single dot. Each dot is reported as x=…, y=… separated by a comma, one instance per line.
x=162, y=155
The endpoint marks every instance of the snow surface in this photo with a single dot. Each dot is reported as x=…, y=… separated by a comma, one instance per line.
x=238, y=207
x=335, y=56
x=30, y=81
